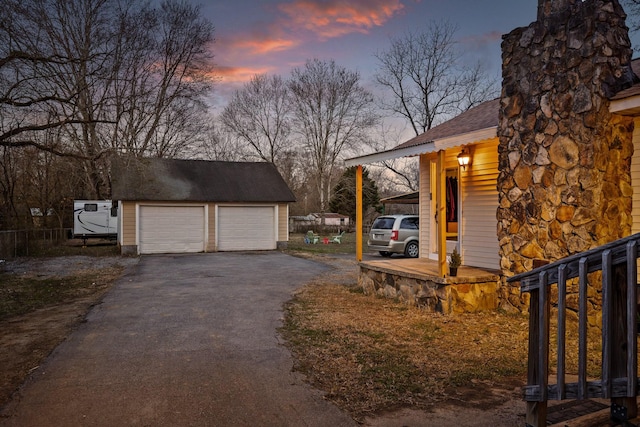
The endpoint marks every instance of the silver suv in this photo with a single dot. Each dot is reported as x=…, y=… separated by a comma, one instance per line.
x=395, y=234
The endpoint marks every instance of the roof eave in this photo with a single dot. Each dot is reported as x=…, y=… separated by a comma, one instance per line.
x=629, y=106
x=390, y=154
x=426, y=147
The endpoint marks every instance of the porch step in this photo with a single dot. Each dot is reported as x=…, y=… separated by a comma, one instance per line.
x=584, y=413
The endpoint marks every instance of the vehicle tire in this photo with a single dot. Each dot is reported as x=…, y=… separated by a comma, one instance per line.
x=412, y=250
x=385, y=254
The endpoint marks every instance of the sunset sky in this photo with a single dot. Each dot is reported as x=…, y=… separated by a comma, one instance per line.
x=273, y=36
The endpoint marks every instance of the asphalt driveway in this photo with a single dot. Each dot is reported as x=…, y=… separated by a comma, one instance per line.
x=182, y=340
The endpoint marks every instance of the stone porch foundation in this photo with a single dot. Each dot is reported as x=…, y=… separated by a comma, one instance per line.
x=473, y=290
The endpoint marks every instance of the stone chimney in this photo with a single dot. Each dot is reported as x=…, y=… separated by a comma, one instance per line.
x=565, y=183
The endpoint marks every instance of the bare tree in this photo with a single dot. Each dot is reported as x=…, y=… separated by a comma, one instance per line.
x=221, y=145
x=405, y=173
x=162, y=71
x=632, y=7
x=427, y=78
x=258, y=114
x=9, y=217
x=331, y=113
x=109, y=74
x=29, y=102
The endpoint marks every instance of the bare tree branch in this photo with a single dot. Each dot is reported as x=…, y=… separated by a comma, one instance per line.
x=109, y=75
x=259, y=115
x=427, y=81
x=332, y=113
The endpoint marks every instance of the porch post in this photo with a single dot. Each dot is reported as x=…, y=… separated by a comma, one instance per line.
x=359, y=213
x=441, y=212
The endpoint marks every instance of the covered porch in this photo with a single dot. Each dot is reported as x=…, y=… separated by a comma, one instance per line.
x=457, y=197
x=457, y=203
x=417, y=282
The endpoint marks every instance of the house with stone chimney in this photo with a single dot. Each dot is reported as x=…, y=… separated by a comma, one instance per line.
x=553, y=164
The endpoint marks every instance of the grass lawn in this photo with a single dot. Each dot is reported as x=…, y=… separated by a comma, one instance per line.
x=372, y=354
x=348, y=245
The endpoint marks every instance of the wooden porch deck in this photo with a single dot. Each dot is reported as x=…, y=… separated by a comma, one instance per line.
x=427, y=269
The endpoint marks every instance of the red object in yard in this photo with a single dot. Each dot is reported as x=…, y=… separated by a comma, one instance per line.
x=325, y=240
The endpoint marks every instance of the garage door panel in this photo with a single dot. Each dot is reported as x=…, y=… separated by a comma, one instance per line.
x=246, y=228
x=171, y=229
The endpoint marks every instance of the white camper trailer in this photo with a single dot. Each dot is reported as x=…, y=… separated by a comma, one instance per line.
x=95, y=218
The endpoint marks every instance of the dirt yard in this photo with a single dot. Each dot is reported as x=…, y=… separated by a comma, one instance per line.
x=27, y=339
x=446, y=395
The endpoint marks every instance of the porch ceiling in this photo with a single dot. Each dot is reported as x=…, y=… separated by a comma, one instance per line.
x=412, y=198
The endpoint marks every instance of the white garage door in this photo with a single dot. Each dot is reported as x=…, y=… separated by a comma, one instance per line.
x=243, y=228
x=171, y=229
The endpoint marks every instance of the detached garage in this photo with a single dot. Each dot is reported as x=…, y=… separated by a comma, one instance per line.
x=179, y=206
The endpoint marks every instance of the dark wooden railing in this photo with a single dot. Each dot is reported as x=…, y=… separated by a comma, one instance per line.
x=619, y=372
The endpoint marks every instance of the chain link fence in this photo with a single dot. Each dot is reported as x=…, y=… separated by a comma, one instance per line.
x=15, y=243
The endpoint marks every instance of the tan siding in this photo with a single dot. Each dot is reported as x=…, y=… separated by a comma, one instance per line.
x=479, y=198
x=128, y=223
x=425, y=205
x=283, y=222
x=635, y=178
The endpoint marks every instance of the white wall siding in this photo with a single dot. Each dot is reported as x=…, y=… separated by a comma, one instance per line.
x=425, y=204
x=479, y=197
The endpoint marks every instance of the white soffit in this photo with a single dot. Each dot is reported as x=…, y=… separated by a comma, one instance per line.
x=626, y=106
x=427, y=147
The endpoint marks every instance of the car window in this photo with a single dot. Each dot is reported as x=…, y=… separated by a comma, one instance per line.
x=409, y=223
x=383, y=223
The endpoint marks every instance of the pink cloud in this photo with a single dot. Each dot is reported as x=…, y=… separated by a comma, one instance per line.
x=335, y=18
x=239, y=74
x=261, y=45
x=324, y=19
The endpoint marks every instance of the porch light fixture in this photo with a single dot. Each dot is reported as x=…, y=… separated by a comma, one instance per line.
x=464, y=158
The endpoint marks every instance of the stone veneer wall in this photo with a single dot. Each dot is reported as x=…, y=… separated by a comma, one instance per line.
x=565, y=183
x=434, y=294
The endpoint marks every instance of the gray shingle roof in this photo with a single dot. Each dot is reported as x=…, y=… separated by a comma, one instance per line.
x=153, y=179
x=485, y=116
x=482, y=116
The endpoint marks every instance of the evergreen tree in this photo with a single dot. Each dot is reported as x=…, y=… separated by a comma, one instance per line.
x=344, y=193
